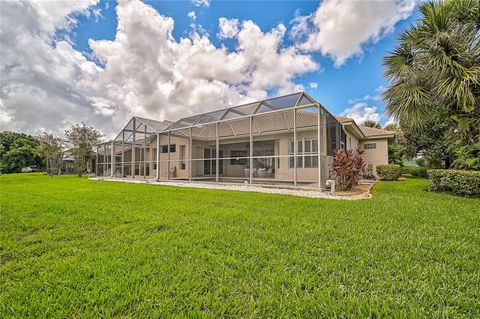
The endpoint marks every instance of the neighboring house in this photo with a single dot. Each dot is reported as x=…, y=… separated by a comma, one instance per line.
x=283, y=141
x=373, y=141
x=67, y=164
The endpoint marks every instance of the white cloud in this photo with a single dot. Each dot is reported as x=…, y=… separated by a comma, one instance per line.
x=339, y=28
x=97, y=13
x=366, y=98
x=300, y=26
x=192, y=15
x=362, y=112
x=44, y=82
x=5, y=117
x=51, y=15
x=376, y=97
x=169, y=79
x=228, y=28
x=102, y=106
x=380, y=89
x=313, y=85
x=197, y=31
x=391, y=120
x=144, y=71
x=200, y=3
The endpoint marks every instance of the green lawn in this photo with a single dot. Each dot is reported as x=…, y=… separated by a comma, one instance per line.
x=72, y=247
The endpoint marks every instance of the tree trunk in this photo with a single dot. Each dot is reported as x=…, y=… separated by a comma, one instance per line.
x=80, y=170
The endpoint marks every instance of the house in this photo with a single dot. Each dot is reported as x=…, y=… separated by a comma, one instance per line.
x=283, y=141
x=373, y=141
x=67, y=163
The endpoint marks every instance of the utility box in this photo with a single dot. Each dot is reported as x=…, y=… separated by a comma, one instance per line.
x=330, y=186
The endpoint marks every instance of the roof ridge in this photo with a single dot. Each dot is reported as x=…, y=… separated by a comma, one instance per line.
x=373, y=131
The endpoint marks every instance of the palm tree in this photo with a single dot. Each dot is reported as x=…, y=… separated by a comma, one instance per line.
x=435, y=68
x=371, y=123
x=391, y=127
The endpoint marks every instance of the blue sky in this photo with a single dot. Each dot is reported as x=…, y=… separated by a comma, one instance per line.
x=337, y=59
x=337, y=86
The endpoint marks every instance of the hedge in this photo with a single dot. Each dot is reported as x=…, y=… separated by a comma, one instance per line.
x=390, y=172
x=415, y=171
x=455, y=181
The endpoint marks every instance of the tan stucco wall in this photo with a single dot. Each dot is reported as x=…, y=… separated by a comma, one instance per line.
x=372, y=157
x=281, y=143
x=377, y=156
x=352, y=141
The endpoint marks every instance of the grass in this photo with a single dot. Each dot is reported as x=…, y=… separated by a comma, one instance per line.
x=72, y=247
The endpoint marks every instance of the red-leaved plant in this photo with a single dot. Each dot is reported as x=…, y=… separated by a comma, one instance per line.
x=347, y=167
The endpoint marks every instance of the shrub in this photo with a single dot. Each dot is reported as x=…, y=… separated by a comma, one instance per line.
x=455, y=181
x=347, y=167
x=420, y=162
x=390, y=172
x=415, y=171
x=420, y=172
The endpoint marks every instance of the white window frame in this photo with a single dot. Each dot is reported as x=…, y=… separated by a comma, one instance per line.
x=313, y=142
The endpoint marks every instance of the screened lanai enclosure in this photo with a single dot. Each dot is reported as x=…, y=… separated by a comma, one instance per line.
x=283, y=141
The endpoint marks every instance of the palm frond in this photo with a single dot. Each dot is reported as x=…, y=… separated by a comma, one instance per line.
x=409, y=102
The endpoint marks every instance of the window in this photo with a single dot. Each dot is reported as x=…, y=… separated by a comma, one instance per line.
x=333, y=133
x=370, y=146
x=309, y=149
x=182, y=157
x=173, y=148
x=238, y=161
x=290, y=152
x=210, y=162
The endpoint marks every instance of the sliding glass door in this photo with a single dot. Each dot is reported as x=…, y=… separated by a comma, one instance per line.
x=209, y=165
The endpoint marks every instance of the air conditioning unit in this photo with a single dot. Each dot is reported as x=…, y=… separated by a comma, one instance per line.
x=330, y=186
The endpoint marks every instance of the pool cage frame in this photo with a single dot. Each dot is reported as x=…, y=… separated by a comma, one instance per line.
x=144, y=148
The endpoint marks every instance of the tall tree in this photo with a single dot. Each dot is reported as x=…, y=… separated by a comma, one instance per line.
x=396, y=149
x=431, y=142
x=391, y=127
x=370, y=123
x=83, y=139
x=435, y=74
x=50, y=147
x=17, y=150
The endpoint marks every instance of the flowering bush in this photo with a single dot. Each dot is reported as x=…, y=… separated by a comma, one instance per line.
x=347, y=167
